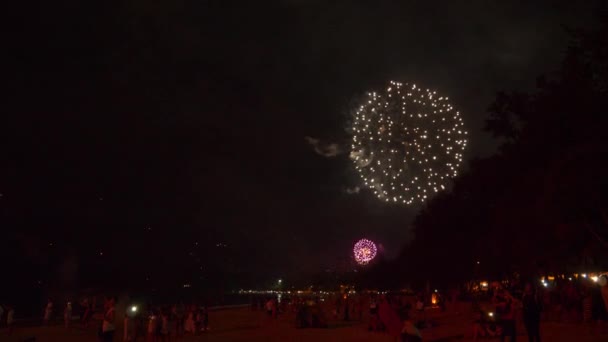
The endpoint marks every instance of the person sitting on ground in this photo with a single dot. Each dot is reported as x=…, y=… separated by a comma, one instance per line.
x=409, y=332
x=481, y=328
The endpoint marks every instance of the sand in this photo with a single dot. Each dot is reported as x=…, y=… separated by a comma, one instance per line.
x=246, y=325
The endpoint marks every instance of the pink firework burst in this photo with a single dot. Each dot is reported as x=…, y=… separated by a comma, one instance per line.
x=364, y=251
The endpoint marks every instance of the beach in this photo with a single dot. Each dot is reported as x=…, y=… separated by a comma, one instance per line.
x=243, y=324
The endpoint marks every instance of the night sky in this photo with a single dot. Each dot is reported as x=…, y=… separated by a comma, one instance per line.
x=200, y=137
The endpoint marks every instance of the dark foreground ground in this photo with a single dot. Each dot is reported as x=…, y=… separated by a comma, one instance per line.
x=245, y=325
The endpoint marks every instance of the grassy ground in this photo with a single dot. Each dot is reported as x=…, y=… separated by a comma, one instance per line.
x=244, y=325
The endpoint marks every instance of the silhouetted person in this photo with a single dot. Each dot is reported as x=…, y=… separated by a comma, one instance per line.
x=48, y=312
x=108, y=324
x=532, y=308
x=506, y=314
x=346, y=310
x=10, y=319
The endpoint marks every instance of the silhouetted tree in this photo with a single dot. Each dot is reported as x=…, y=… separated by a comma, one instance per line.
x=540, y=203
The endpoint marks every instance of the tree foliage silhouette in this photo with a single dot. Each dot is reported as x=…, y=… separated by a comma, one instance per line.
x=540, y=204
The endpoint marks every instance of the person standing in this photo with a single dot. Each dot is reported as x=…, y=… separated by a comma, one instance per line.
x=603, y=282
x=129, y=326
x=205, y=318
x=165, y=327
x=269, y=307
x=532, y=309
x=373, y=315
x=506, y=312
x=198, y=326
x=420, y=313
x=108, y=325
x=67, y=314
x=599, y=314
x=48, y=312
x=189, y=324
x=587, y=305
x=181, y=313
x=88, y=311
x=152, y=327
x=10, y=319
x=346, y=308
x=275, y=308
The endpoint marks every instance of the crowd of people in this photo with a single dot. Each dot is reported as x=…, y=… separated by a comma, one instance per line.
x=152, y=324
x=396, y=314
x=573, y=300
x=510, y=308
x=161, y=324
x=390, y=313
x=506, y=307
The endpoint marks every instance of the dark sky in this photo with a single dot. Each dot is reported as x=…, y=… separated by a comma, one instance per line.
x=172, y=133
